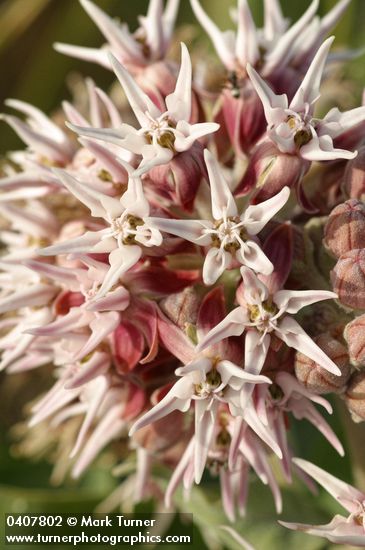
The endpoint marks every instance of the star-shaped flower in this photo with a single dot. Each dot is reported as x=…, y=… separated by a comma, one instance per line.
x=293, y=128
x=275, y=45
x=262, y=315
x=128, y=228
x=341, y=530
x=230, y=236
x=147, y=44
x=161, y=135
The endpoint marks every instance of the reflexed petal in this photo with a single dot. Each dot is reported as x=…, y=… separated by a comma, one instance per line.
x=100, y=205
x=178, y=398
x=120, y=259
x=294, y=336
x=138, y=100
x=283, y=49
x=255, y=217
x=223, y=202
x=179, y=102
x=94, y=55
x=321, y=148
x=121, y=41
x=216, y=262
x=275, y=24
x=237, y=538
x=270, y=101
x=191, y=230
x=91, y=241
x=308, y=91
x=253, y=257
x=341, y=491
x=204, y=429
x=247, y=48
x=293, y=300
x=339, y=531
x=134, y=200
x=232, y=325
x=223, y=46
x=254, y=291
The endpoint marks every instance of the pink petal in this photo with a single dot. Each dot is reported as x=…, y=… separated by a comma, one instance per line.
x=335, y=487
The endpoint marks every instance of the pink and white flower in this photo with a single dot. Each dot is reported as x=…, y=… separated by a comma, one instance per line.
x=231, y=236
x=292, y=126
x=129, y=228
x=149, y=43
x=161, y=135
x=262, y=314
x=347, y=530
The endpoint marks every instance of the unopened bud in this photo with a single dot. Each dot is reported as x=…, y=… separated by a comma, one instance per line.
x=354, y=178
x=355, y=337
x=315, y=378
x=345, y=228
x=355, y=396
x=348, y=279
x=269, y=171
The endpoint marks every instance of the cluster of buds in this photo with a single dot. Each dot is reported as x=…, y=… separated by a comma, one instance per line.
x=155, y=275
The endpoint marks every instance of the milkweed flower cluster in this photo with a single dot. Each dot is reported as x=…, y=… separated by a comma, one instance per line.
x=167, y=267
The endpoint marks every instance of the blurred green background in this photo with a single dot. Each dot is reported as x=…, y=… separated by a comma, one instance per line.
x=32, y=71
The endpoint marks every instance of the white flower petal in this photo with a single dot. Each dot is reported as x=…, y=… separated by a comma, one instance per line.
x=253, y=257
x=120, y=259
x=247, y=47
x=178, y=398
x=191, y=230
x=346, y=494
x=256, y=216
x=293, y=300
x=269, y=99
x=223, y=203
x=294, y=336
x=218, y=38
x=308, y=91
x=232, y=325
x=216, y=262
x=179, y=102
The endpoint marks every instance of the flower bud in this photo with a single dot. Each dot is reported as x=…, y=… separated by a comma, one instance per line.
x=178, y=181
x=354, y=178
x=269, y=171
x=348, y=279
x=345, y=228
x=315, y=378
x=242, y=115
x=355, y=396
x=355, y=337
